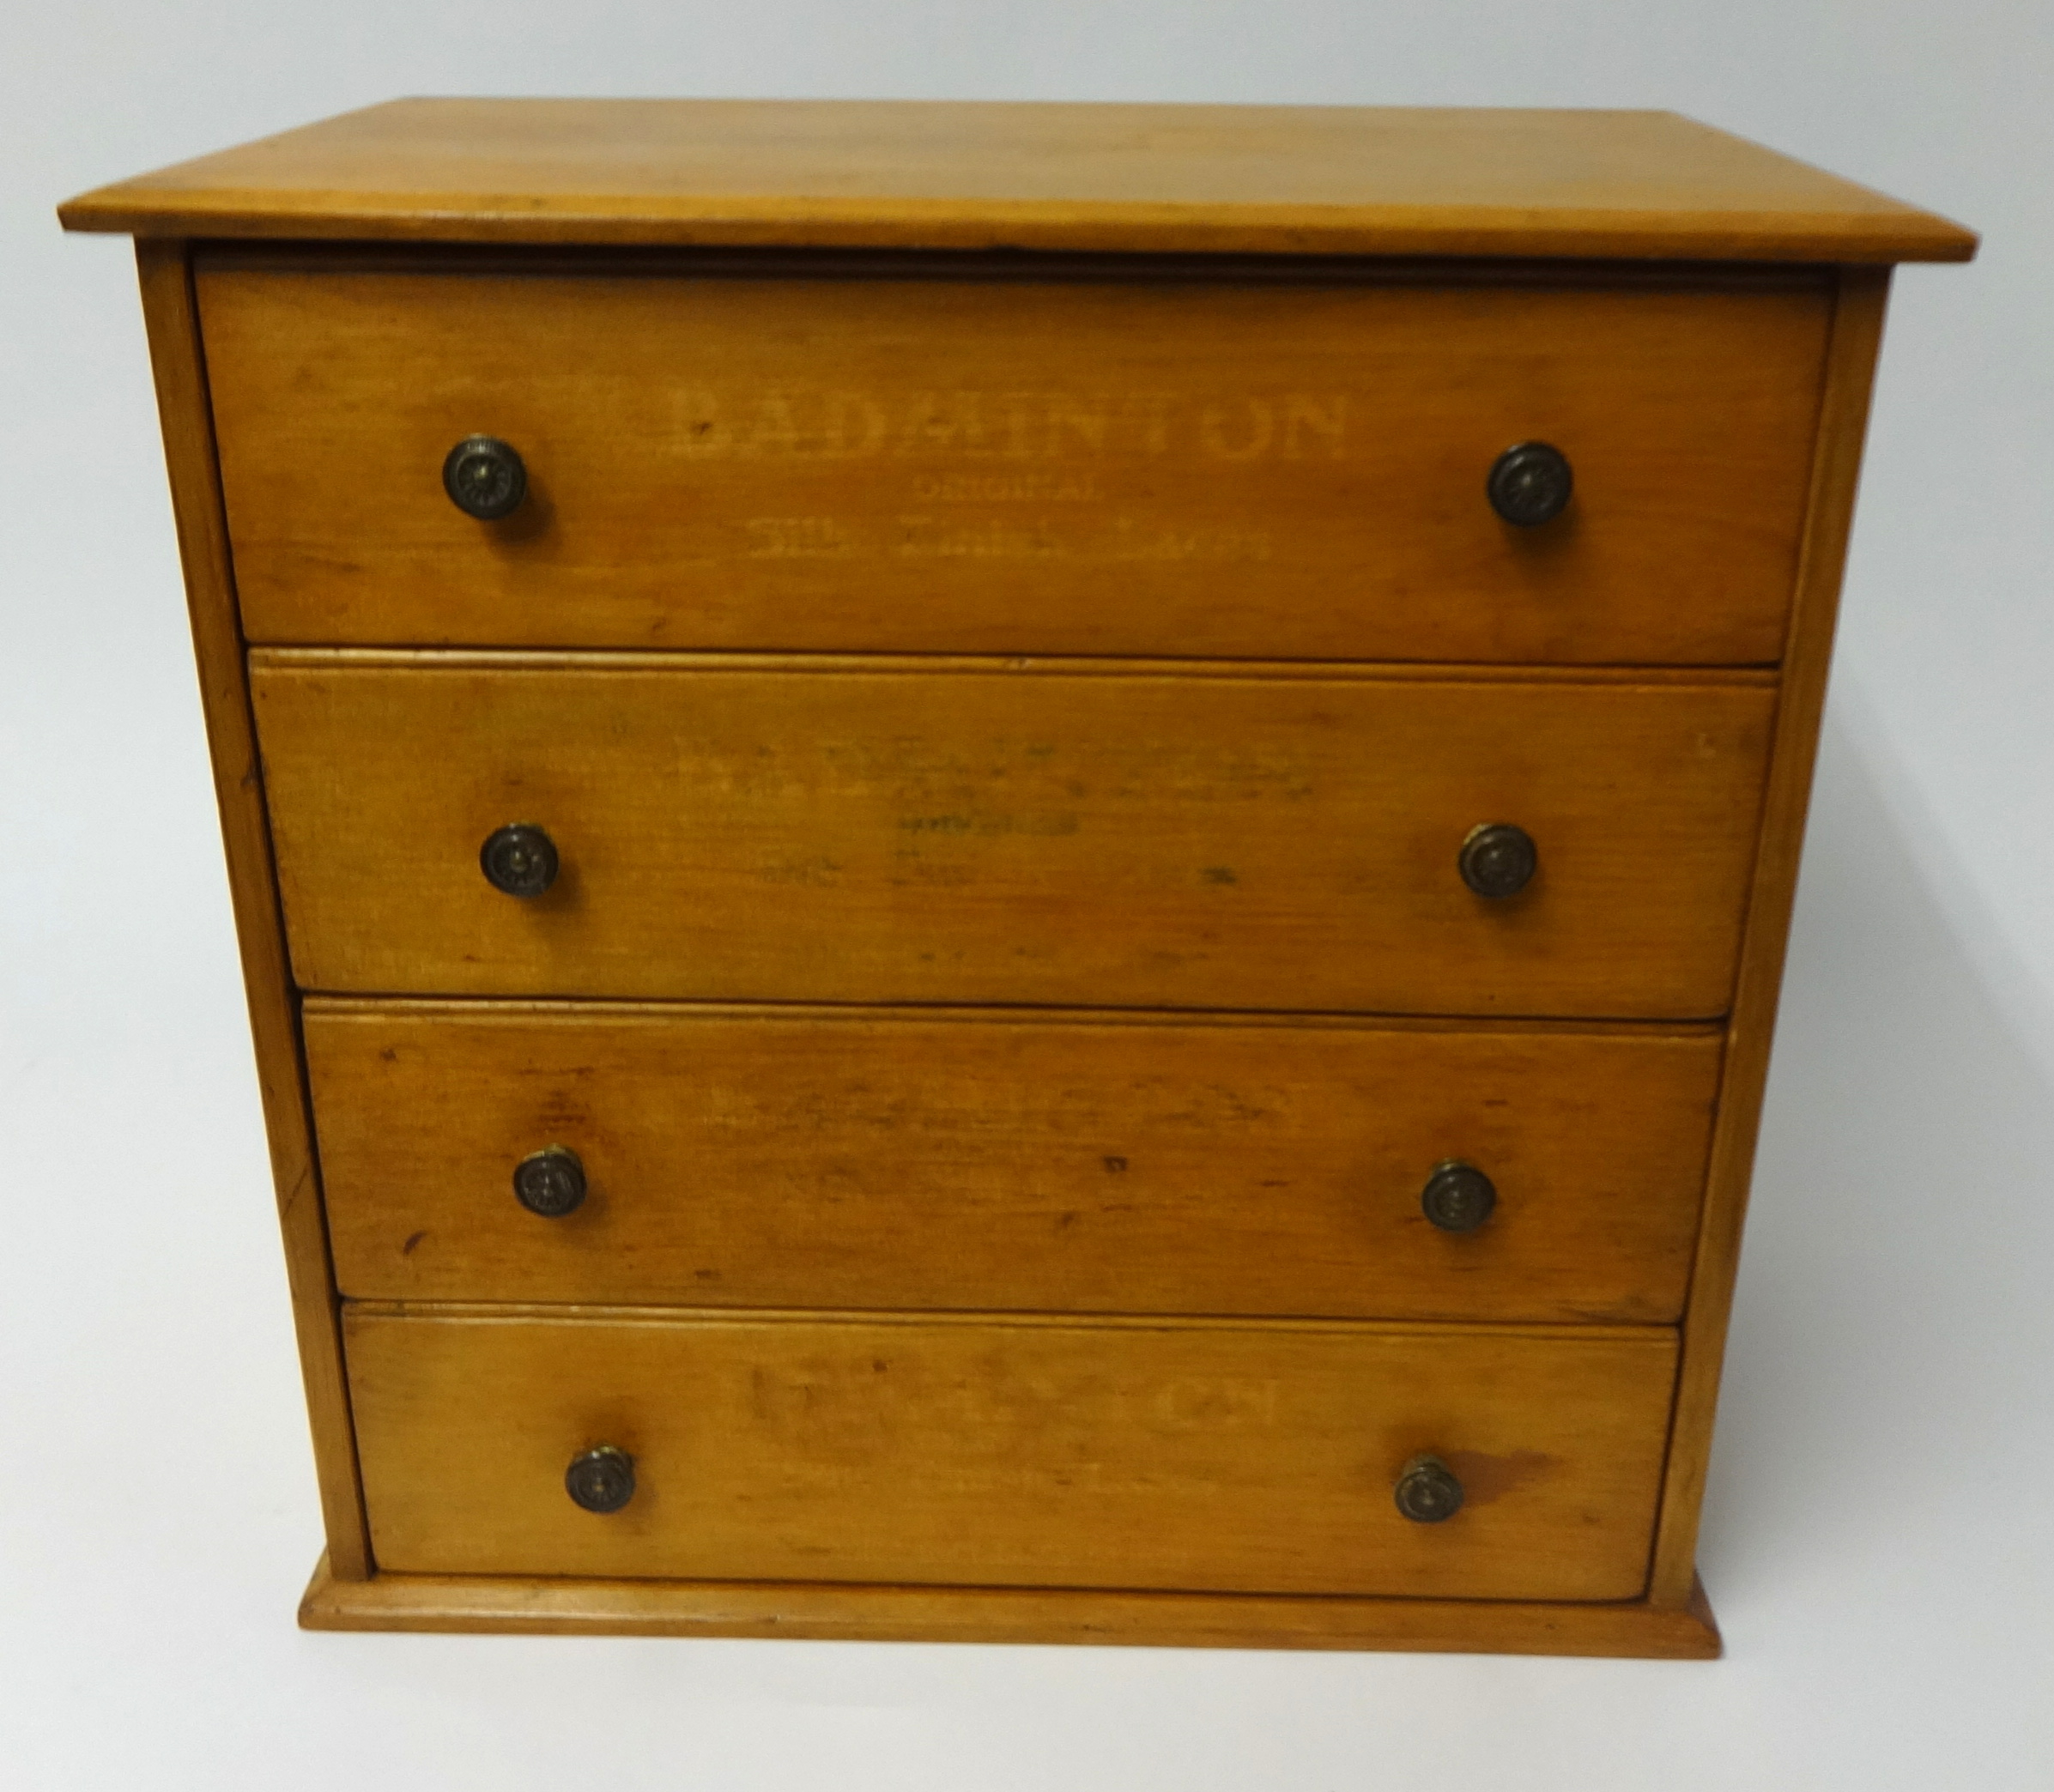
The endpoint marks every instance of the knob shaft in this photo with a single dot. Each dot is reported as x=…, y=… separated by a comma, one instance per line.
x=485, y=477
x=1530, y=484
x=519, y=859
x=603, y=1479
x=550, y=1182
x=1427, y=1492
x=1458, y=1197
x=1498, y=859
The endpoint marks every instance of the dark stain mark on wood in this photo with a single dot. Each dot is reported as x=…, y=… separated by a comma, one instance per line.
x=1485, y=1477
x=406, y=1249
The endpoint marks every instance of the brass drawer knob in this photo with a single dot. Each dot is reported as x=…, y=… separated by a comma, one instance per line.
x=1427, y=1492
x=1498, y=859
x=550, y=1182
x=603, y=1479
x=519, y=859
x=1458, y=1197
x=1530, y=484
x=485, y=477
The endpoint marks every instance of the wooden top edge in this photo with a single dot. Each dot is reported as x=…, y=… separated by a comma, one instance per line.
x=1049, y=177
x=1052, y=228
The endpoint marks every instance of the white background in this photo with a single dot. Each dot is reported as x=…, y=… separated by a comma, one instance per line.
x=1878, y=1540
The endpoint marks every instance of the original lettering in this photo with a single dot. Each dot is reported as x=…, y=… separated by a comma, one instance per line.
x=1016, y=427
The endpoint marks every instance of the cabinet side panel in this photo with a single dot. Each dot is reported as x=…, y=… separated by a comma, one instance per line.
x=1850, y=373
x=178, y=361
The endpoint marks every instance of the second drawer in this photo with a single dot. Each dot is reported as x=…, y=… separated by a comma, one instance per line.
x=986, y=832
x=817, y=1158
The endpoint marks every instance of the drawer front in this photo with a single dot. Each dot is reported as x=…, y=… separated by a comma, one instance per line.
x=837, y=1159
x=994, y=835
x=976, y=1452
x=1271, y=470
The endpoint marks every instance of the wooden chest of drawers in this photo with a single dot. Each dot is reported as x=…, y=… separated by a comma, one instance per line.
x=1013, y=872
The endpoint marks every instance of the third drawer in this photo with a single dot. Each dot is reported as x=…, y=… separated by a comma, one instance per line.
x=838, y=1158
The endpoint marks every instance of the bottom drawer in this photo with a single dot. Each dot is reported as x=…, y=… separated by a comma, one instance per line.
x=1250, y=1456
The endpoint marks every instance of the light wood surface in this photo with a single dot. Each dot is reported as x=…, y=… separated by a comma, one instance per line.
x=1011, y=833
x=1199, y=1456
x=1119, y=465
x=1857, y=335
x=552, y=1606
x=1004, y=1178
x=1264, y=179
x=852, y=1158
x=176, y=363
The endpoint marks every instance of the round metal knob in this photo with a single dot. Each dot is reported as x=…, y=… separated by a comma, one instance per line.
x=603, y=1479
x=485, y=478
x=1499, y=859
x=1530, y=484
x=1427, y=1492
x=1458, y=1197
x=519, y=859
x=550, y=1182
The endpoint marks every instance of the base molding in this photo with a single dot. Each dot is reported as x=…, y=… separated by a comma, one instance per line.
x=982, y=1614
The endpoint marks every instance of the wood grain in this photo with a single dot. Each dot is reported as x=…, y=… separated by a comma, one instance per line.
x=1016, y=833
x=552, y=1606
x=852, y=1158
x=1127, y=465
x=639, y=292
x=1856, y=337
x=178, y=364
x=1176, y=179
x=1200, y=1456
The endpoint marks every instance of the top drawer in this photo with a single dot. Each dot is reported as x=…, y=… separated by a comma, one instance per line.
x=1278, y=466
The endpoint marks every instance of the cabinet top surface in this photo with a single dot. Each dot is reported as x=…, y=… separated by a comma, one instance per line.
x=1304, y=180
